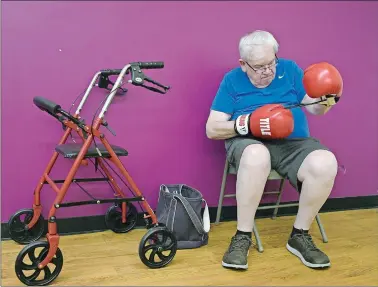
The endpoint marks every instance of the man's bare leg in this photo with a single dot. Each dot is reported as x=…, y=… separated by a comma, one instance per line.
x=317, y=174
x=254, y=169
x=252, y=175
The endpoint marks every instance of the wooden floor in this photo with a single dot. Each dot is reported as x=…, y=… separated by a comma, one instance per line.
x=105, y=258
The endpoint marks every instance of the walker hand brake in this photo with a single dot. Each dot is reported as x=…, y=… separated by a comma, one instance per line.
x=156, y=83
x=153, y=89
x=105, y=124
x=138, y=77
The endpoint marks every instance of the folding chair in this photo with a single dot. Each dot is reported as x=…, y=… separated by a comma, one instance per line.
x=230, y=169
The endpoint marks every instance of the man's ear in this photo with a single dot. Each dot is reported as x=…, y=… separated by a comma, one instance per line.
x=243, y=65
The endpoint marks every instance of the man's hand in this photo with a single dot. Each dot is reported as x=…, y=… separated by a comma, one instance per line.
x=271, y=121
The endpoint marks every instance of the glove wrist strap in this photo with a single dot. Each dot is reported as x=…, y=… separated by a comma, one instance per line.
x=242, y=125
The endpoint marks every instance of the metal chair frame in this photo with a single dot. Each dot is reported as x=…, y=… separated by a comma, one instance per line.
x=229, y=169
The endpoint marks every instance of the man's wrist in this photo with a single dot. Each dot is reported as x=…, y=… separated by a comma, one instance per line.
x=321, y=109
x=241, y=125
x=329, y=100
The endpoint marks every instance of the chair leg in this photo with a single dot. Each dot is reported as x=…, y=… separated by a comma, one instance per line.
x=278, y=198
x=258, y=240
x=321, y=228
x=221, y=195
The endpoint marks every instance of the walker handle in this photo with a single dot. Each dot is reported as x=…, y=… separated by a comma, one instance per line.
x=110, y=72
x=141, y=65
x=148, y=65
x=46, y=105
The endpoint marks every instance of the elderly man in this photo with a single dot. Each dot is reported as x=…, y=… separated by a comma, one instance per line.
x=260, y=136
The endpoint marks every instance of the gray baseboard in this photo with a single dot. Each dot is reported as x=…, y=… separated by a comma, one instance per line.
x=79, y=225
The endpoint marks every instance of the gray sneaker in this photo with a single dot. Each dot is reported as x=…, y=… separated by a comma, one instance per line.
x=237, y=253
x=302, y=246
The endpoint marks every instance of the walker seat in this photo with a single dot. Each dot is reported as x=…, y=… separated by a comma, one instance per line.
x=71, y=150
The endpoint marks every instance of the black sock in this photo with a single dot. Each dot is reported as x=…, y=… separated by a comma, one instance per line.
x=297, y=231
x=249, y=234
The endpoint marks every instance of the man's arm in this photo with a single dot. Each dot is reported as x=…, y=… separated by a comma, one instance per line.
x=219, y=127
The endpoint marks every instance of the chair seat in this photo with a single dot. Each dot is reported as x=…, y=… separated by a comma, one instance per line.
x=71, y=150
x=272, y=175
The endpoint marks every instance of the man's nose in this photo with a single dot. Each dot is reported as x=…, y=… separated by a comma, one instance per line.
x=267, y=70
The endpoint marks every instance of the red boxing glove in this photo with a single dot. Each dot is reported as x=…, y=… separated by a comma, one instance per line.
x=322, y=80
x=271, y=121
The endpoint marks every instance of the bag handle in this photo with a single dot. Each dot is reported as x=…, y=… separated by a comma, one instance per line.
x=171, y=212
x=193, y=216
x=189, y=209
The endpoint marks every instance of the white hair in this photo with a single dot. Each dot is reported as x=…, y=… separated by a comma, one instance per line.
x=256, y=38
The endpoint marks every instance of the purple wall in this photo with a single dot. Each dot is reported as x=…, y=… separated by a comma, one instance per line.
x=53, y=50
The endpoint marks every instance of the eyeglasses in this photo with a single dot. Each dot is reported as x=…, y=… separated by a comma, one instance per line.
x=262, y=69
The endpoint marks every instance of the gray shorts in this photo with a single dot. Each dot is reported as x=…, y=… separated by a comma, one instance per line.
x=286, y=155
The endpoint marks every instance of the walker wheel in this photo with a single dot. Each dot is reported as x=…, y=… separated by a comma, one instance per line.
x=157, y=242
x=113, y=218
x=18, y=230
x=28, y=260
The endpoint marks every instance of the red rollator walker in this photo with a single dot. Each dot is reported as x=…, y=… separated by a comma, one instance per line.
x=27, y=225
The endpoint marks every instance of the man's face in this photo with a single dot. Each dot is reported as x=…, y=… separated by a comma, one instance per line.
x=260, y=66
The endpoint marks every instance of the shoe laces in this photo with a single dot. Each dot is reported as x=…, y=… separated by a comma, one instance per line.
x=240, y=242
x=307, y=239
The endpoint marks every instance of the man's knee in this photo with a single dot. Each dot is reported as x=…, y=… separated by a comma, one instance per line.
x=255, y=156
x=320, y=164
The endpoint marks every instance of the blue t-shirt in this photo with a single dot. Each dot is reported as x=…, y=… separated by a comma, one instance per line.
x=237, y=95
